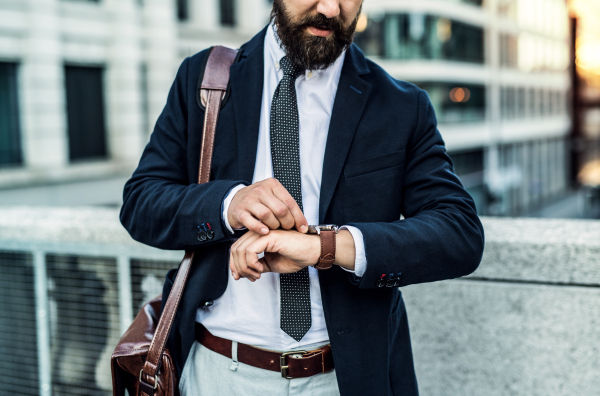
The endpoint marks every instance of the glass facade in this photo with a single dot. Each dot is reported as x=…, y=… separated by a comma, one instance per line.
x=531, y=53
x=539, y=42
x=469, y=166
x=421, y=36
x=10, y=141
x=456, y=102
x=538, y=170
x=520, y=102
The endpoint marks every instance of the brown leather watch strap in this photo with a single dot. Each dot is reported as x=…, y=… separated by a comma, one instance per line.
x=328, y=239
x=297, y=364
x=215, y=80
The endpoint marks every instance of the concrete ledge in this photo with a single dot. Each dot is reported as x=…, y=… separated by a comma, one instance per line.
x=67, y=225
x=474, y=338
x=525, y=323
x=541, y=250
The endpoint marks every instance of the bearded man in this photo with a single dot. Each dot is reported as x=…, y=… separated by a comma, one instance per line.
x=311, y=134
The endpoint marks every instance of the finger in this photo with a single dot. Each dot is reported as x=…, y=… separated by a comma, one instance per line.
x=236, y=254
x=284, y=196
x=266, y=267
x=279, y=210
x=232, y=268
x=265, y=215
x=252, y=260
x=251, y=254
x=234, y=262
x=251, y=223
x=257, y=246
x=239, y=255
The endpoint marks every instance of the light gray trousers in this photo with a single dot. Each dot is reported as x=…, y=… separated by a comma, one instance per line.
x=207, y=373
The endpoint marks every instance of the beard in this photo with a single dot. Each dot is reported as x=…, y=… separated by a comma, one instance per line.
x=305, y=50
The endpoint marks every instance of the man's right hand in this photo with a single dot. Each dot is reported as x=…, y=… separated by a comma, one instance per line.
x=265, y=205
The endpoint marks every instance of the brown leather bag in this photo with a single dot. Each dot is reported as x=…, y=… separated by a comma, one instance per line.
x=140, y=362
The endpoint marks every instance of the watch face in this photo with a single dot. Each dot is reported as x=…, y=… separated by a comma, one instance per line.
x=316, y=229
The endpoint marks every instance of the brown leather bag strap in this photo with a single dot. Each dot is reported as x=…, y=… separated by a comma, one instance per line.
x=214, y=85
x=213, y=88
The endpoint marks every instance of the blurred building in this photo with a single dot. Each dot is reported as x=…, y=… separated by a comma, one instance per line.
x=82, y=83
x=586, y=99
x=497, y=74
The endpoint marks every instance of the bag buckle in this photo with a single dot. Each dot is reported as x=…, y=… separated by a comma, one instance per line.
x=155, y=379
x=283, y=362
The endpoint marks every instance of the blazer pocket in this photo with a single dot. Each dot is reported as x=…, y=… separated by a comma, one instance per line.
x=374, y=164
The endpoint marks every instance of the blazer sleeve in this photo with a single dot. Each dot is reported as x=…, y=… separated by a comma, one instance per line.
x=160, y=207
x=441, y=236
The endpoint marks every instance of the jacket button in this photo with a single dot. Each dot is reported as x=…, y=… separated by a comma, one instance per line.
x=394, y=280
x=201, y=236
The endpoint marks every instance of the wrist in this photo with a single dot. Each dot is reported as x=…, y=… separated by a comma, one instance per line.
x=315, y=249
x=227, y=209
x=346, y=251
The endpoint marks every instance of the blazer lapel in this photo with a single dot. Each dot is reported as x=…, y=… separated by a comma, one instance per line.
x=349, y=104
x=246, y=82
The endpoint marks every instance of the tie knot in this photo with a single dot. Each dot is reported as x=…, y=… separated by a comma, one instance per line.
x=289, y=69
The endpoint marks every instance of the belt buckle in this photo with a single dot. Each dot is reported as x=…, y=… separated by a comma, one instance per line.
x=283, y=362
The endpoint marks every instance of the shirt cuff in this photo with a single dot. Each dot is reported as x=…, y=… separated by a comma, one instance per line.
x=227, y=202
x=360, y=258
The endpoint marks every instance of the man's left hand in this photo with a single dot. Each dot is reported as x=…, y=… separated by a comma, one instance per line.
x=285, y=252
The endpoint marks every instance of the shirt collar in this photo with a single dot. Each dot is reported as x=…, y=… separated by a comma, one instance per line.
x=276, y=53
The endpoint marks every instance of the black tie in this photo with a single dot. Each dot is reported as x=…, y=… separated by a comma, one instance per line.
x=285, y=150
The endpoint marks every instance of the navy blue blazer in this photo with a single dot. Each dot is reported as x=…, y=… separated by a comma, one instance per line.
x=384, y=158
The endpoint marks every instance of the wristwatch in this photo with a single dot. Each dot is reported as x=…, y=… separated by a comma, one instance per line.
x=327, y=233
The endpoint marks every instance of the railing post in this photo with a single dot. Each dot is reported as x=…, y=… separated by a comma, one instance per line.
x=42, y=323
x=125, y=298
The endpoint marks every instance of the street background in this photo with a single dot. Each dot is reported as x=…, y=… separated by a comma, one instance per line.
x=516, y=89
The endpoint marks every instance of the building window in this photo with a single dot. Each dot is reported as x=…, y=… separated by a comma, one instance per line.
x=468, y=166
x=183, y=10
x=85, y=112
x=455, y=102
x=145, y=103
x=508, y=103
x=509, y=49
x=227, y=8
x=420, y=36
x=10, y=141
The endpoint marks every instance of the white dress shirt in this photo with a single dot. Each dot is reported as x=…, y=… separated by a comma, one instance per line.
x=248, y=312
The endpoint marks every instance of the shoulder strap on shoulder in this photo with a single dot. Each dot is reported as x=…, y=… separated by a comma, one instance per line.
x=212, y=92
x=200, y=100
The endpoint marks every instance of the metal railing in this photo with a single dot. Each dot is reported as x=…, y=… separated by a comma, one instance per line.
x=71, y=281
x=85, y=288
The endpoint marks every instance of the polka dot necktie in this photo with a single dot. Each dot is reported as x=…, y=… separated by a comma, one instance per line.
x=285, y=150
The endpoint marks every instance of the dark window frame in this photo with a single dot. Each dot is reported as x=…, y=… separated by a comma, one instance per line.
x=86, y=115
x=228, y=14
x=11, y=153
x=183, y=10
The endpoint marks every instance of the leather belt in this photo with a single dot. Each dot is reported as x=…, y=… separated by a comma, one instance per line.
x=295, y=364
